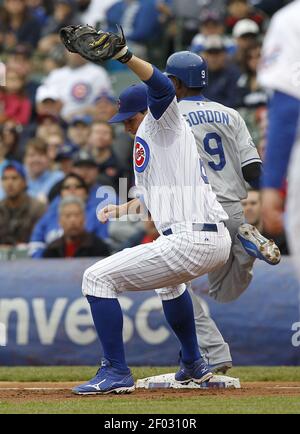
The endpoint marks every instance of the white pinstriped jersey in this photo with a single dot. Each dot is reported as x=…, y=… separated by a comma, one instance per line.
x=224, y=144
x=169, y=174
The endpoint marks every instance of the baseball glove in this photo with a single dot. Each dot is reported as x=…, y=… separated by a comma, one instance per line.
x=95, y=46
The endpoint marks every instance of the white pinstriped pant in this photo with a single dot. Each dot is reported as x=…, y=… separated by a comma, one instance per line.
x=164, y=265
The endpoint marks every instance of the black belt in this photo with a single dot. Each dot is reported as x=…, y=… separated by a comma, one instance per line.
x=205, y=227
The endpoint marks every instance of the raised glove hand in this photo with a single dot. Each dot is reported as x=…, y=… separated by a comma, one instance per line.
x=95, y=46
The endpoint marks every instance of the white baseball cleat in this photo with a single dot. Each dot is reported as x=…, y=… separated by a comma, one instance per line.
x=258, y=246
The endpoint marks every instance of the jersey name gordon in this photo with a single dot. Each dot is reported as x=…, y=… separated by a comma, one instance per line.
x=206, y=117
x=141, y=154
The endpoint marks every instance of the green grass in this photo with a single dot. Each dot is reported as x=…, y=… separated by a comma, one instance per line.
x=82, y=373
x=199, y=405
x=134, y=404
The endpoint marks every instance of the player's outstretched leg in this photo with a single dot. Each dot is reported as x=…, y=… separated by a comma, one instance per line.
x=179, y=314
x=114, y=376
x=258, y=246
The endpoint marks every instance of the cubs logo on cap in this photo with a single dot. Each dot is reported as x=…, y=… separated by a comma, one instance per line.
x=141, y=154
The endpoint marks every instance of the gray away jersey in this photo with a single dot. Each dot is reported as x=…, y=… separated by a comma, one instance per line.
x=224, y=144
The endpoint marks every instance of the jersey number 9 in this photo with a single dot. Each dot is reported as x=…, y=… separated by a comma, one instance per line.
x=216, y=150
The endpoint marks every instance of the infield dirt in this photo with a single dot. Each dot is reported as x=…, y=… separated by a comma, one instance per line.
x=37, y=391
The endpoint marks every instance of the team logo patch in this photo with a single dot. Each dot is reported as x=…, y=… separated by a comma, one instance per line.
x=141, y=154
x=81, y=91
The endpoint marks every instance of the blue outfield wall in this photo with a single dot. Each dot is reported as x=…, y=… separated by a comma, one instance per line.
x=46, y=321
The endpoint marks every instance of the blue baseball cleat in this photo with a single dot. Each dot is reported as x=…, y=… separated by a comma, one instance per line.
x=107, y=380
x=197, y=371
x=258, y=246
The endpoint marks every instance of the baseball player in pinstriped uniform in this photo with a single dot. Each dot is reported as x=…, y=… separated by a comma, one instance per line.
x=193, y=241
x=231, y=159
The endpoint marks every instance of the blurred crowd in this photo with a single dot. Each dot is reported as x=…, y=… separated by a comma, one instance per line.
x=57, y=149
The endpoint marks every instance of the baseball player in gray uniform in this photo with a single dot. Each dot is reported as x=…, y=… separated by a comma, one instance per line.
x=231, y=160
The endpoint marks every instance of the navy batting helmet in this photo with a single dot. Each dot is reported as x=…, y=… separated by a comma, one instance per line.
x=189, y=67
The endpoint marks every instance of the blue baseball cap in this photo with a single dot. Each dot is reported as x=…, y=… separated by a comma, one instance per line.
x=66, y=152
x=132, y=100
x=15, y=165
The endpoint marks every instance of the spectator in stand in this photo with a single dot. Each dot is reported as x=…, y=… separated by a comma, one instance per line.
x=63, y=15
x=20, y=60
x=104, y=108
x=79, y=130
x=48, y=228
x=76, y=242
x=78, y=83
x=11, y=140
x=100, y=144
x=16, y=105
x=49, y=121
x=64, y=161
x=9, y=146
x=18, y=211
x=251, y=94
x=252, y=98
x=47, y=127
x=54, y=143
x=246, y=34
x=240, y=9
x=38, y=10
x=86, y=167
x=83, y=165
x=39, y=176
x=140, y=22
x=222, y=76
x=252, y=211
x=18, y=25
x=48, y=103
x=211, y=23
